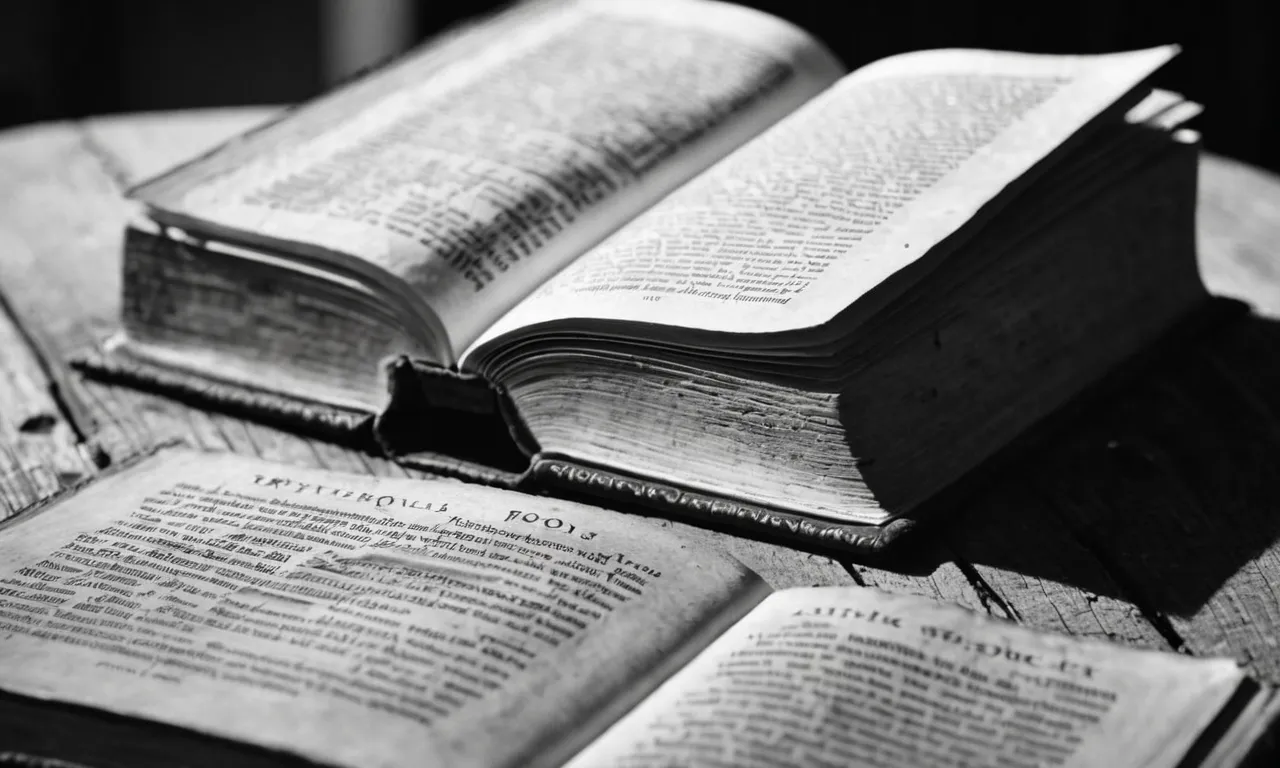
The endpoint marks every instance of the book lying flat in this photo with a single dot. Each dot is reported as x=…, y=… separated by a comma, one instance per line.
x=666, y=252
x=206, y=610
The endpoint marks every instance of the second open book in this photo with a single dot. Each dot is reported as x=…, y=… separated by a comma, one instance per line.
x=664, y=252
x=212, y=609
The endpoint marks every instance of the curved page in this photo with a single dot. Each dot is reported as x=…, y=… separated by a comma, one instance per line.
x=852, y=188
x=464, y=189
x=352, y=620
x=855, y=677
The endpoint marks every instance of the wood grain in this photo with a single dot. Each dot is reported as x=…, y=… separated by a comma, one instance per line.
x=1154, y=517
x=39, y=452
x=1148, y=521
x=1172, y=487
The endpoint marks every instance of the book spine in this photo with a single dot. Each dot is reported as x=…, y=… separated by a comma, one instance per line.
x=565, y=478
x=434, y=410
x=117, y=366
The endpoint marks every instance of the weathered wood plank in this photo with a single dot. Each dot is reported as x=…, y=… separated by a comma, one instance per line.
x=60, y=229
x=39, y=451
x=1173, y=487
x=1167, y=486
x=928, y=568
x=1039, y=571
x=1152, y=520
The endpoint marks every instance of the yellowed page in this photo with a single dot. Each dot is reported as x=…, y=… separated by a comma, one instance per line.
x=465, y=189
x=854, y=677
x=352, y=620
x=853, y=187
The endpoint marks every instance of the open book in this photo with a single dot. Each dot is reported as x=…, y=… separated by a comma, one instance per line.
x=211, y=609
x=665, y=251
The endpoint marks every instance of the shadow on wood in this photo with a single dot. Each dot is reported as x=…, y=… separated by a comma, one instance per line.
x=1168, y=483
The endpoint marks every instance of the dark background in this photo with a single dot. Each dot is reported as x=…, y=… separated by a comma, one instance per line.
x=67, y=58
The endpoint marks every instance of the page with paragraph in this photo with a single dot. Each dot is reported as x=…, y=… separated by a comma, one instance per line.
x=854, y=187
x=352, y=620
x=467, y=188
x=848, y=676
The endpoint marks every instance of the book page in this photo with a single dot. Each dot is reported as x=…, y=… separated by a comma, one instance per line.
x=471, y=186
x=852, y=188
x=854, y=677
x=352, y=620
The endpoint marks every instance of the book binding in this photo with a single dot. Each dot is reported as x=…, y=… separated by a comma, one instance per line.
x=459, y=425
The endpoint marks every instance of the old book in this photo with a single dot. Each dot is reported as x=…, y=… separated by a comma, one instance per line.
x=206, y=610
x=667, y=252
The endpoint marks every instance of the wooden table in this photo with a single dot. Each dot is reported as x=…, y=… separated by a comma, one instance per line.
x=1152, y=518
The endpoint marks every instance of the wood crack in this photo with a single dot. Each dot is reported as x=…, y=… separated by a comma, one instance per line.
x=991, y=600
x=850, y=569
x=1129, y=590
x=73, y=412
